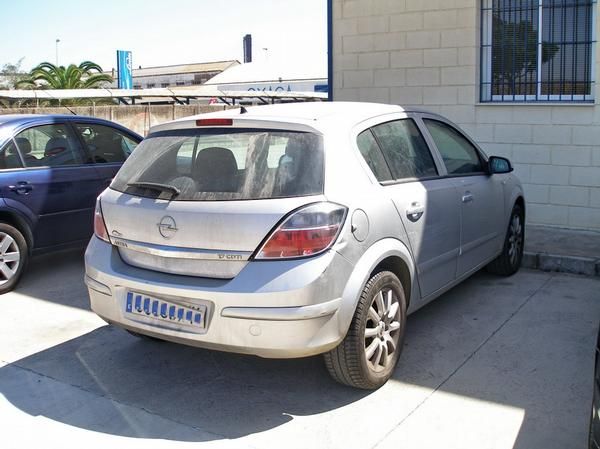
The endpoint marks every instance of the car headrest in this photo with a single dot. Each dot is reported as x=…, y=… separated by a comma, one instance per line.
x=24, y=144
x=56, y=145
x=295, y=145
x=215, y=170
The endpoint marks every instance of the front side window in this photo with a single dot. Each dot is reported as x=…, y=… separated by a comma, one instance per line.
x=405, y=150
x=106, y=144
x=459, y=155
x=9, y=156
x=49, y=146
x=537, y=50
x=221, y=164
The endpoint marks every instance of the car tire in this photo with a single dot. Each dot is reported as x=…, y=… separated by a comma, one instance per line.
x=591, y=443
x=509, y=261
x=367, y=356
x=593, y=427
x=14, y=255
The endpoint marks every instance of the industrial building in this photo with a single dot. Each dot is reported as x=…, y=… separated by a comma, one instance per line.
x=176, y=75
x=273, y=76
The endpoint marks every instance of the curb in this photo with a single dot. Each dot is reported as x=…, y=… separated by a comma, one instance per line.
x=562, y=264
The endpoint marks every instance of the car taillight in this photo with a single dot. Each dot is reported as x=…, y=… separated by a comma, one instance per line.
x=99, y=226
x=308, y=231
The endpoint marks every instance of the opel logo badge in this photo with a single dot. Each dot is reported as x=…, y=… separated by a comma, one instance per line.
x=167, y=227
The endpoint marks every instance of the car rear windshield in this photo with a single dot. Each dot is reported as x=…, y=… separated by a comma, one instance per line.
x=220, y=164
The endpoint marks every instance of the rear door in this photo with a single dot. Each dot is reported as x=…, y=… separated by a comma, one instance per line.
x=11, y=168
x=481, y=195
x=107, y=148
x=426, y=202
x=56, y=184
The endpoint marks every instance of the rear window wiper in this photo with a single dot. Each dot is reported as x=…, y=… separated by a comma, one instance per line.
x=174, y=191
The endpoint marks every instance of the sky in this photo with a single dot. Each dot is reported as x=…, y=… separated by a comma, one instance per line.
x=162, y=32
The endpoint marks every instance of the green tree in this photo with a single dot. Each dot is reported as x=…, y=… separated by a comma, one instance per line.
x=11, y=74
x=87, y=75
x=515, y=56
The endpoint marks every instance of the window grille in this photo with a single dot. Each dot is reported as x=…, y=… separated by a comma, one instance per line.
x=537, y=50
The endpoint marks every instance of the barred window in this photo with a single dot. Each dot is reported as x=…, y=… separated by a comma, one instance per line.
x=537, y=50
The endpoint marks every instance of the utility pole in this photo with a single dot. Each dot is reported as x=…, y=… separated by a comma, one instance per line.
x=57, y=41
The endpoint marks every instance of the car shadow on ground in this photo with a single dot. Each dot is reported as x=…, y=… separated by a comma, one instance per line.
x=56, y=277
x=229, y=396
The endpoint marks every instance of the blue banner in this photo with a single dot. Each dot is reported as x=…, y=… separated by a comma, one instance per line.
x=124, y=72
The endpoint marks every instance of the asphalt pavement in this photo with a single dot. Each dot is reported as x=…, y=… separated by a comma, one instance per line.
x=494, y=363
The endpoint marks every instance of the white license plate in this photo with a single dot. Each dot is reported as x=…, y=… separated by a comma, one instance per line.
x=162, y=310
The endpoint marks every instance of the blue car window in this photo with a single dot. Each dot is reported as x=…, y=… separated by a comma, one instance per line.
x=105, y=144
x=48, y=146
x=9, y=157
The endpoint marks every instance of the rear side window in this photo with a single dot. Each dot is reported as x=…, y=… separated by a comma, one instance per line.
x=459, y=155
x=372, y=155
x=222, y=164
x=405, y=149
x=105, y=144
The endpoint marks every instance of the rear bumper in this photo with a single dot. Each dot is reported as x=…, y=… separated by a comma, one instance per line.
x=275, y=309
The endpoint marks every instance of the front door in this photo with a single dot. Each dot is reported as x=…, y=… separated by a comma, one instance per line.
x=481, y=196
x=56, y=184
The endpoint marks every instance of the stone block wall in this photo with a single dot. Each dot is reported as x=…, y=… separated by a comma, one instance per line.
x=425, y=53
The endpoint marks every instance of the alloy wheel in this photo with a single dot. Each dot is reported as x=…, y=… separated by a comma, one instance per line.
x=382, y=330
x=515, y=239
x=10, y=258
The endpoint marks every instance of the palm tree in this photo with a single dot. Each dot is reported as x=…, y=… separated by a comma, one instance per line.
x=87, y=75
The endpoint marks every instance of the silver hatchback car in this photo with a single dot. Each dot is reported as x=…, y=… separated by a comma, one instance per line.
x=300, y=229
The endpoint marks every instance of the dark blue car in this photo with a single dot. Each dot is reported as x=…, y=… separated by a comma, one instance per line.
x=52, y=168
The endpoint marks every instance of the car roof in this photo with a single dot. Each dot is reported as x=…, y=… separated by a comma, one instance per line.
x=26, y=118
x=313, y=114
x=16, y=120
x=313, y=111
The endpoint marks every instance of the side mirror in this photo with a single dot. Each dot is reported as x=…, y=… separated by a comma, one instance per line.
x=499, y=164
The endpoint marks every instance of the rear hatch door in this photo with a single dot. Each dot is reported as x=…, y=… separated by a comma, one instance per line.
x=199, y=202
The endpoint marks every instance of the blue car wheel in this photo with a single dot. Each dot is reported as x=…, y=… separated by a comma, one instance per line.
x=13, y=256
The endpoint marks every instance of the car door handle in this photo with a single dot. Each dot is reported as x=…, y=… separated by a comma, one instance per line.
x=415, y=211
x=467, y=197
x=22, y=188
